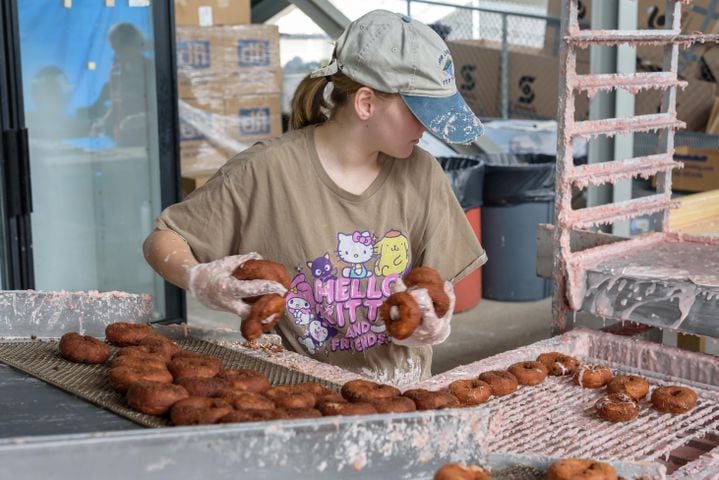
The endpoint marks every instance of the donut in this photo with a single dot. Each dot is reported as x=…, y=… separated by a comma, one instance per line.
x=617, y=407
x=204, y=366
x=576, y=468
x=427, y=400
x=393, y=405
x=148, y=360
x=246, y=380
x=145, y=350
x=425, y=275
x=154, y=398
x=124, y=334
x=401, y=315
x=674, y=399
x=83, y=348
x=247, y=400
x=502, y=382
x=294, y=413
x=592, y=376
x=322, y=394
x=199, y=411
x=241, y=416
x=457, y=471
x=289, y=396
x=159, y=344
x=264, y=315
x=470, y=392
x=558, y=364
x=187, y=354
x=122, y=377
x=440, y=300
x=204, y=387
x=363, y=390
x=634, y=386
x=262, y=270
x=529, y=373
x=346, y=408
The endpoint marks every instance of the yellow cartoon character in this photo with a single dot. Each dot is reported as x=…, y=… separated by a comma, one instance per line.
x=393, y=251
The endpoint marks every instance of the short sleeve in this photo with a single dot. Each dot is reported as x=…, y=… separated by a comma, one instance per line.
x=209, y=219
x=449, y=244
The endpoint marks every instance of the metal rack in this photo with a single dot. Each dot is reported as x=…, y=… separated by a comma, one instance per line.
x=572, y=269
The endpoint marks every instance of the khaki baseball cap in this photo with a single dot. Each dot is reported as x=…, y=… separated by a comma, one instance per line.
x=393, y=53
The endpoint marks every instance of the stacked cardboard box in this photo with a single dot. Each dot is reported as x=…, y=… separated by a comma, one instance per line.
x=229, y=82
x=532, y=80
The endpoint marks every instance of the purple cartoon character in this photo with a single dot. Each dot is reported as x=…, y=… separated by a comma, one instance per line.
x=355, y=250
x=300, y=301
x=318, y=333
x=322, y=268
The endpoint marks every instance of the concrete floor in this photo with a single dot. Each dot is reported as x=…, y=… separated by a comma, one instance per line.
x=487, y=329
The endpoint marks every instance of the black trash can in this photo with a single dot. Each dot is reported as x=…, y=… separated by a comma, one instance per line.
x=466, y=175
x=518, y=195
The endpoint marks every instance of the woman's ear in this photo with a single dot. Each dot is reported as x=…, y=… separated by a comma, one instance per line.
x=363, y=101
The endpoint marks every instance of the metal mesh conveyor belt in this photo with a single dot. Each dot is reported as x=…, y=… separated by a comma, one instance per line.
x=41, y=359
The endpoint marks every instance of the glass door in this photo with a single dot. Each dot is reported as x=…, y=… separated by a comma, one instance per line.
x=91, y=74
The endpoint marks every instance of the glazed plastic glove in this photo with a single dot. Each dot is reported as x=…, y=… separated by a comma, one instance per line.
x=213, y=285
x=432, y=330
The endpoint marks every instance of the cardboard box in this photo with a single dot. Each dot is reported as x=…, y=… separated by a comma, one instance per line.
x=207, y=13
x=201, y=129
x=476, y=66
x=252, y=117
x=700, y=172
x=554, y=9
x=200, y=61
x=694, y=103
x=711, y=58
x=191, y=181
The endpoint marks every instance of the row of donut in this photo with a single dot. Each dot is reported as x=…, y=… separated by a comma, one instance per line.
x=565, y=469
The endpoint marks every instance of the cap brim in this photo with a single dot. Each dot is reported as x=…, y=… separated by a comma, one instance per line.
x=448, y=118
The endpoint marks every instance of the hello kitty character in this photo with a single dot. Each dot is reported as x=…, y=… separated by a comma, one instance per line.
x=317, y=334
x=356, y=250
x=300, y=301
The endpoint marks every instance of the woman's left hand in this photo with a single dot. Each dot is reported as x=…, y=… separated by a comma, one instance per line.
x=432, y=330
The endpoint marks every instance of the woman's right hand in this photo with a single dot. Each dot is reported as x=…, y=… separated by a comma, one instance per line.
x=213, y=284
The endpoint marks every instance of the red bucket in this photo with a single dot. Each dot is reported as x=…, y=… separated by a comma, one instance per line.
x=469, y=289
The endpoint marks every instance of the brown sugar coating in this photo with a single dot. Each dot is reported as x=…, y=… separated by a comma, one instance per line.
x=617, y=407
x=470, y=392
x=363, y=390
x=204, y=366
x=674, y=399
x=247, y=400
x=558, y=364
x=199, y=411
x=159, y=344
x=346, y=408
x=290, y=396
x=634, y=386
x=440, y=300
x=148, y=360
x=580, y=469
x=154, y=398
x=246, y=380
x=294, y=413
x=83, y=349
x=592, y=376
x=400, y=314
x=501, y=381
x=425, y=275
x=529, y=373
x=122, y=377
x=264, y=315
x=457, y=471
x=241, y=416
x=124, y=334
x=393, y=405
x=262, y=270
x=428, y=400
x=204, y=387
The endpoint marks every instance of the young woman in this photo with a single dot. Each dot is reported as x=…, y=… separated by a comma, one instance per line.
x=346, y=201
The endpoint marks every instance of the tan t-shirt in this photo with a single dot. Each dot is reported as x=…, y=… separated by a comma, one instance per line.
x=342, y=250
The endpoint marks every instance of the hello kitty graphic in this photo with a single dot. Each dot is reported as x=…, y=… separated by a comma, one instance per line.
x=322, y=268
x=356, y=250
x=300, y=301
x=318, y=333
